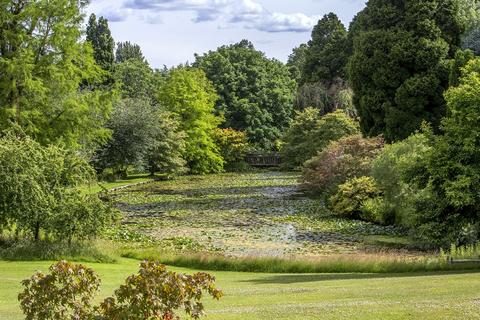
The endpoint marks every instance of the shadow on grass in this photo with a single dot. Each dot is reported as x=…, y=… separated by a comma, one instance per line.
x=304, y=278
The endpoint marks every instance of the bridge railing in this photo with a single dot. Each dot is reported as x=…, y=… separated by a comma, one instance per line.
x=263, y=159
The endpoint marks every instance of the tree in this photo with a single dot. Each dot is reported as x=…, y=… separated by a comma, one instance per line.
x=41, y=189
x=296, y=61
x=133, y=124
x=451, y=213
x=100, y=37
x=326, y=55
x=44, y=67
x=190, y=96
x=310, y=132
x=136, y=79
x=399, y=68
x=255, y=93
x=128, y=51
x=165, y=154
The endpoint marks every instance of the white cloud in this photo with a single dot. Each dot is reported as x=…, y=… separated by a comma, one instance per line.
x=248, y=13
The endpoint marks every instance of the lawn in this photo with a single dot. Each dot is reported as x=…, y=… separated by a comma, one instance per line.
x=299, y=296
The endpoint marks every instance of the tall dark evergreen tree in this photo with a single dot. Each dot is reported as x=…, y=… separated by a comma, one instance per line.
x=326, y=55
x=100, y=37
x=128, y=51
x=399, y=68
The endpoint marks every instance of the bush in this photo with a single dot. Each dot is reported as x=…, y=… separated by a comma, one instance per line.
x=233, y=146
x=396, y=170
x=351, y=196
x=66, y=293
x=153, y=293
x=311, y=133
x=377, y=210
x=41, y=188
x=341, y=160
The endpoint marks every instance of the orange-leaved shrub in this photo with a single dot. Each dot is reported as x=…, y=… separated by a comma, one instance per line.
x=350, y=157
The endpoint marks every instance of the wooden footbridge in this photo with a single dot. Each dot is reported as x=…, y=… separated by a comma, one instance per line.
x=272, y=159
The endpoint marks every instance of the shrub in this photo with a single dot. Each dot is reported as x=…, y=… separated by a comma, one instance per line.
x=41, y=188
x=396, y=170
x=310, y=133
x=351, y=195
x=341, y=160
x=66, y=293
x=377, y=210
x=233, y=145
x=153, y=293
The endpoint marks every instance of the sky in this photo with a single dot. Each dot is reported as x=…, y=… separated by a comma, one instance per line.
x=171, y=31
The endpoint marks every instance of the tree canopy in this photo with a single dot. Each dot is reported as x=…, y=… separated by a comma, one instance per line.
x=191, y=97
x=255, y=93
x=399, y=68
x=128, y=51
x=100, y=37
x=44, y=67
x=326, y=55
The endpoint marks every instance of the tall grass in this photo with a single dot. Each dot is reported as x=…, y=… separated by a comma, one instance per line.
x=45, y=250
x=359, y=263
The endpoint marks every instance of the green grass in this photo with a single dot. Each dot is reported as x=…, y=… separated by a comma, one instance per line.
x=252, y=296
x=354, y=263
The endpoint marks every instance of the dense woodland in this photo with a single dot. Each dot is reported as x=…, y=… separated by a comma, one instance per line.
x=381, y=117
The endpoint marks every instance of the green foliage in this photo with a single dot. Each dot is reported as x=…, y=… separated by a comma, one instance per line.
x=154, y=293
x=313, y=95
x=190, y=96
x=326, y=56
x=100, y=37
x=165, y=152
x=66, y=293
x=399, y=68
x=296, y=61
x=347, y=158
x=351, y=196
x=233, y=145
x=40, y=189
x=143, y=136
x=310, y=133
x=47, y=74
x=128, y=51
x=255, y=93
x=450, y=213
x=396, y=170
x=136, y=79
x=133, y=125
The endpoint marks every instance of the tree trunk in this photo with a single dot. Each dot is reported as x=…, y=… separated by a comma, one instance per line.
x=37, y=231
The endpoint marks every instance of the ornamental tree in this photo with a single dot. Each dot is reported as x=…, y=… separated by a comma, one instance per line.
x=190, y=96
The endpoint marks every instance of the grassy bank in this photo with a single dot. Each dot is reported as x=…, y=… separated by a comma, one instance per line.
x=358, y=263
x=445, y=295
